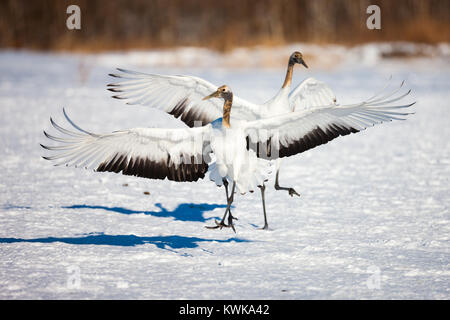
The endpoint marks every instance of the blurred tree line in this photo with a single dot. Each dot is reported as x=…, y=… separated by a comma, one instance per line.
x=223, y=25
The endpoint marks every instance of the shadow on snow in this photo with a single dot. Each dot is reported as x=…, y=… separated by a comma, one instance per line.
x=162, y=242
x=184, y=211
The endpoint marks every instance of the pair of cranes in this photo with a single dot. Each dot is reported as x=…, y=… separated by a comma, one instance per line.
x=241, y=137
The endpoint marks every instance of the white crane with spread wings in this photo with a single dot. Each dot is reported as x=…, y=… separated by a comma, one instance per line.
x=181, y=96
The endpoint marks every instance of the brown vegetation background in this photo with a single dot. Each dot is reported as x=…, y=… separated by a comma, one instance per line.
x=223, y=25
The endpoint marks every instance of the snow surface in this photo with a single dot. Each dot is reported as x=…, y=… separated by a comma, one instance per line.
x=372, y=221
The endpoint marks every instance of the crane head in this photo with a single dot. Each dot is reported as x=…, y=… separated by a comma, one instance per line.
x=221, y=92
x=297, y=57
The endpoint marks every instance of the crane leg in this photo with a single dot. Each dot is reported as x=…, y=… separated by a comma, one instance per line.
x=221, y=224
x=225, y=184
x=277, y=186
x=263, y=189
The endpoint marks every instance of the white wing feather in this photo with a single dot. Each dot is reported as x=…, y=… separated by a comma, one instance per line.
x=176, y=154
x=180, y=96
x=311, y=93
x=302, y=130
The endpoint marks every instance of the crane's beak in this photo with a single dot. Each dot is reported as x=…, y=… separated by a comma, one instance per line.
x=303, y=63
x=215, y=94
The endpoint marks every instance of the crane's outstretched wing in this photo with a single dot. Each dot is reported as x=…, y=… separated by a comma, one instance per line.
x=296, y=132
x=180, y=96
x=175, y=154
x=311, y=93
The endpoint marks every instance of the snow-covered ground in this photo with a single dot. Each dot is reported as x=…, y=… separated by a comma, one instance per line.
x=372, y=221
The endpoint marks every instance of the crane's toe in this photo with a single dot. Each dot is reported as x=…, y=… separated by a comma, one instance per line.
x=292, y=192
x=222, y=224
x=266, y=227
x=219, y=225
